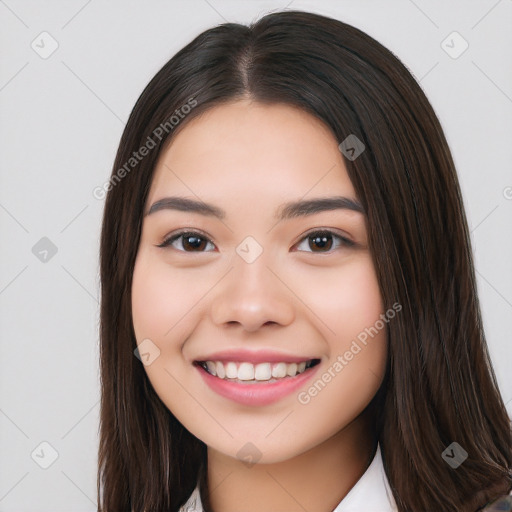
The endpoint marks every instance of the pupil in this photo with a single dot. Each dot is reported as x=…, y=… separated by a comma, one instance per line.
x=322, y=241
x=193, y=242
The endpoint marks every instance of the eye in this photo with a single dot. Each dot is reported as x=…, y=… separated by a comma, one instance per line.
x=323, y=241
x=187, y=241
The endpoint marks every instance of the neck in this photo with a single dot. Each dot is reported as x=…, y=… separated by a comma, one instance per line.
x=317, y=479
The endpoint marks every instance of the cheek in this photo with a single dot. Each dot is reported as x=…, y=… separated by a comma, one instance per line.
x=163, y=299
x=164, y=309
x=151, y=304
x=349, y=304
x=346, y=299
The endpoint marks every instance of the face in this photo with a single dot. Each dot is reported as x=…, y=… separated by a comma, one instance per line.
x=261, y=318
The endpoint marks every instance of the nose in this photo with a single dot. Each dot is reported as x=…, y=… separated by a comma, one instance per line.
x=251, y=296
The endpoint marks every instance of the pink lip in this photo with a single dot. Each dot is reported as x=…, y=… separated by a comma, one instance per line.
x=256, y=394
x=261, y=356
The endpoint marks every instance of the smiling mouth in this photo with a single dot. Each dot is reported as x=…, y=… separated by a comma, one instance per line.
x=249, y=373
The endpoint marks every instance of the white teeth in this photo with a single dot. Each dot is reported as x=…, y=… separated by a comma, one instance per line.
x=292, y=369
x=231, y=370
x=246, y=371
x=211, y=367
x=250, y=372
x=262, y=371
x=279, y=370
x=219, y=368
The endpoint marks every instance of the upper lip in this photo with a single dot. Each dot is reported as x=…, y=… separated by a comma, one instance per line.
x=251, y=356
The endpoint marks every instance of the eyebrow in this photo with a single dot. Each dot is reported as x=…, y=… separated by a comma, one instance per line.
x=293, y=209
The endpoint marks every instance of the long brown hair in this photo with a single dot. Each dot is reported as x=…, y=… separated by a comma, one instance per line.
x=439, y=386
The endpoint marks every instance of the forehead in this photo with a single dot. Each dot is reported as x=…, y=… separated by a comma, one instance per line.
x=249, y=148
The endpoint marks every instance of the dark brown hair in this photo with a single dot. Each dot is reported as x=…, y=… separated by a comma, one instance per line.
x=439, y=386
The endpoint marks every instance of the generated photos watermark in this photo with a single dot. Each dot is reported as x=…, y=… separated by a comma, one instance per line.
x=342, y=360
x=137, y=156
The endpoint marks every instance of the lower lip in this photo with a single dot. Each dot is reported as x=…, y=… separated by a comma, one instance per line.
x=256, y=394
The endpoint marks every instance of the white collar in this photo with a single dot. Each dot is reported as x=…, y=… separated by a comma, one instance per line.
x=371, y=492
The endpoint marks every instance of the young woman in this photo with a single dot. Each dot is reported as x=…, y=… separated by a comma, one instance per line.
x=289, y=314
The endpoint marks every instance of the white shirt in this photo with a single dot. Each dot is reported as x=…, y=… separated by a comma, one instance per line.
x=370, y=492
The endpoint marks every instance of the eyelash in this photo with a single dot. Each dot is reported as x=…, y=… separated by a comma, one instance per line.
x=343, y=240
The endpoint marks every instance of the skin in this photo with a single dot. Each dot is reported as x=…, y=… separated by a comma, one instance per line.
x=248, y=158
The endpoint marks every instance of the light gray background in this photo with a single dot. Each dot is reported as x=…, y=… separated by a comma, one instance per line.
x=61, y=120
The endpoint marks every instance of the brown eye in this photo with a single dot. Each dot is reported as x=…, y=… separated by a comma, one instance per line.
x=189, y=242
x=323, y=242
